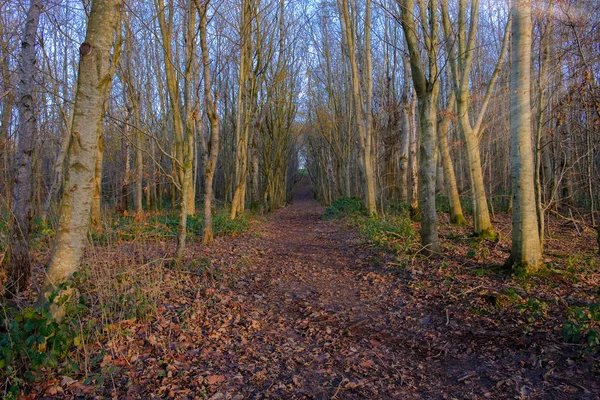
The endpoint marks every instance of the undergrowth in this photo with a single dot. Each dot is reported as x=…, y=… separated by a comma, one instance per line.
x=165, y=226
x=393, y=231
x=343, y=207
x=583, y=326
x=33, y=343
x=115, y=286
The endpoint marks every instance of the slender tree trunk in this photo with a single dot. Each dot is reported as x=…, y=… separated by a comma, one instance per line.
x=96, y=213
x=427, y=90
x=173, y=90
x=190, y=111
x=187, y=183
x=414, y=160
x=542, y=85
x=461, y=64
x=244, y=110
x=406, y=132
x=95, y=76
x=362, y=101
x=59, y=166
x=525, y=251
x=254, y=178
x=138, y=160
x=7, y=111
x=17, y=260
x=212, y=148
x=456, y=213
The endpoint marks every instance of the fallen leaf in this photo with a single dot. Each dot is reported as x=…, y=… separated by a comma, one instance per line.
x=214, y=379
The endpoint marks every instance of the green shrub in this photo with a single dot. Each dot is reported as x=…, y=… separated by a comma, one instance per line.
x=344, y=206
x=583, y=325
x=223, y=225
x=166, y=226
x=32, y=342
x=394, y=232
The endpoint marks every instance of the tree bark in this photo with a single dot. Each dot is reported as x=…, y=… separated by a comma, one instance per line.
x=525, y=251
x=212, y=149
x=95, y=75
x=244, y=109
x=456, y=213
x=461, y=64
x=17, y=260
x=427, y=89
x=362, y=101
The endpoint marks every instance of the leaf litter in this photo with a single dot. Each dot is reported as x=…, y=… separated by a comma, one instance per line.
x=298, y=309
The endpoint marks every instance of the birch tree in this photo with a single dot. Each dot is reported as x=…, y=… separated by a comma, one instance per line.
x=17, y=261
x=96, y=69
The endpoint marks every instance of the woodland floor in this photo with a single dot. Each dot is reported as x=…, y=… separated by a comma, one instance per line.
x=302, y=308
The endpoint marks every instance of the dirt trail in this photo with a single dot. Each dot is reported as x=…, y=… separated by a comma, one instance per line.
x=299, y=309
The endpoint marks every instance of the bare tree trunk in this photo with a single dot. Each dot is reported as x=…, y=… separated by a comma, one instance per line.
x=213, y=145
x=456, y=213
x=254, y=178
x=7, y=111
x=187, y=183
x=542, y=85
x=244, y=110
x=17, y=263
x=404, y=151
x=138, y=159
x=190, y=110
x=406, y=131
x=427, y=88
x=461, y=64
x=525, y=251
x=173, y=90
x=362, y=101
x=59, y=166
x=96, y=213
x=414, y=159
x=95, y=76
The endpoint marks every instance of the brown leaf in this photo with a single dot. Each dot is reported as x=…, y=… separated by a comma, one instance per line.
x=214, y=379
x=367, y=364
x=53, y=390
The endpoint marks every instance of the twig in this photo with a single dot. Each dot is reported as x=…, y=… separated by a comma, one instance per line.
x=574, y=223
x=447, y=317
x=338, y=388
x=467, y=376
x=471, y=290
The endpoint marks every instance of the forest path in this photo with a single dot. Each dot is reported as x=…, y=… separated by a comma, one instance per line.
x=327, y=322
x=300, y=308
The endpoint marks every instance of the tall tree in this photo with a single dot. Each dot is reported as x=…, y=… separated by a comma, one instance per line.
x=96, y=70
x=212, y=146
x=461, y=63
x=443, y=128
x=245, y=105
x=525, y=251
x=362, y=93
x=187, y=182
x=426, y=83
x=17, y=261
